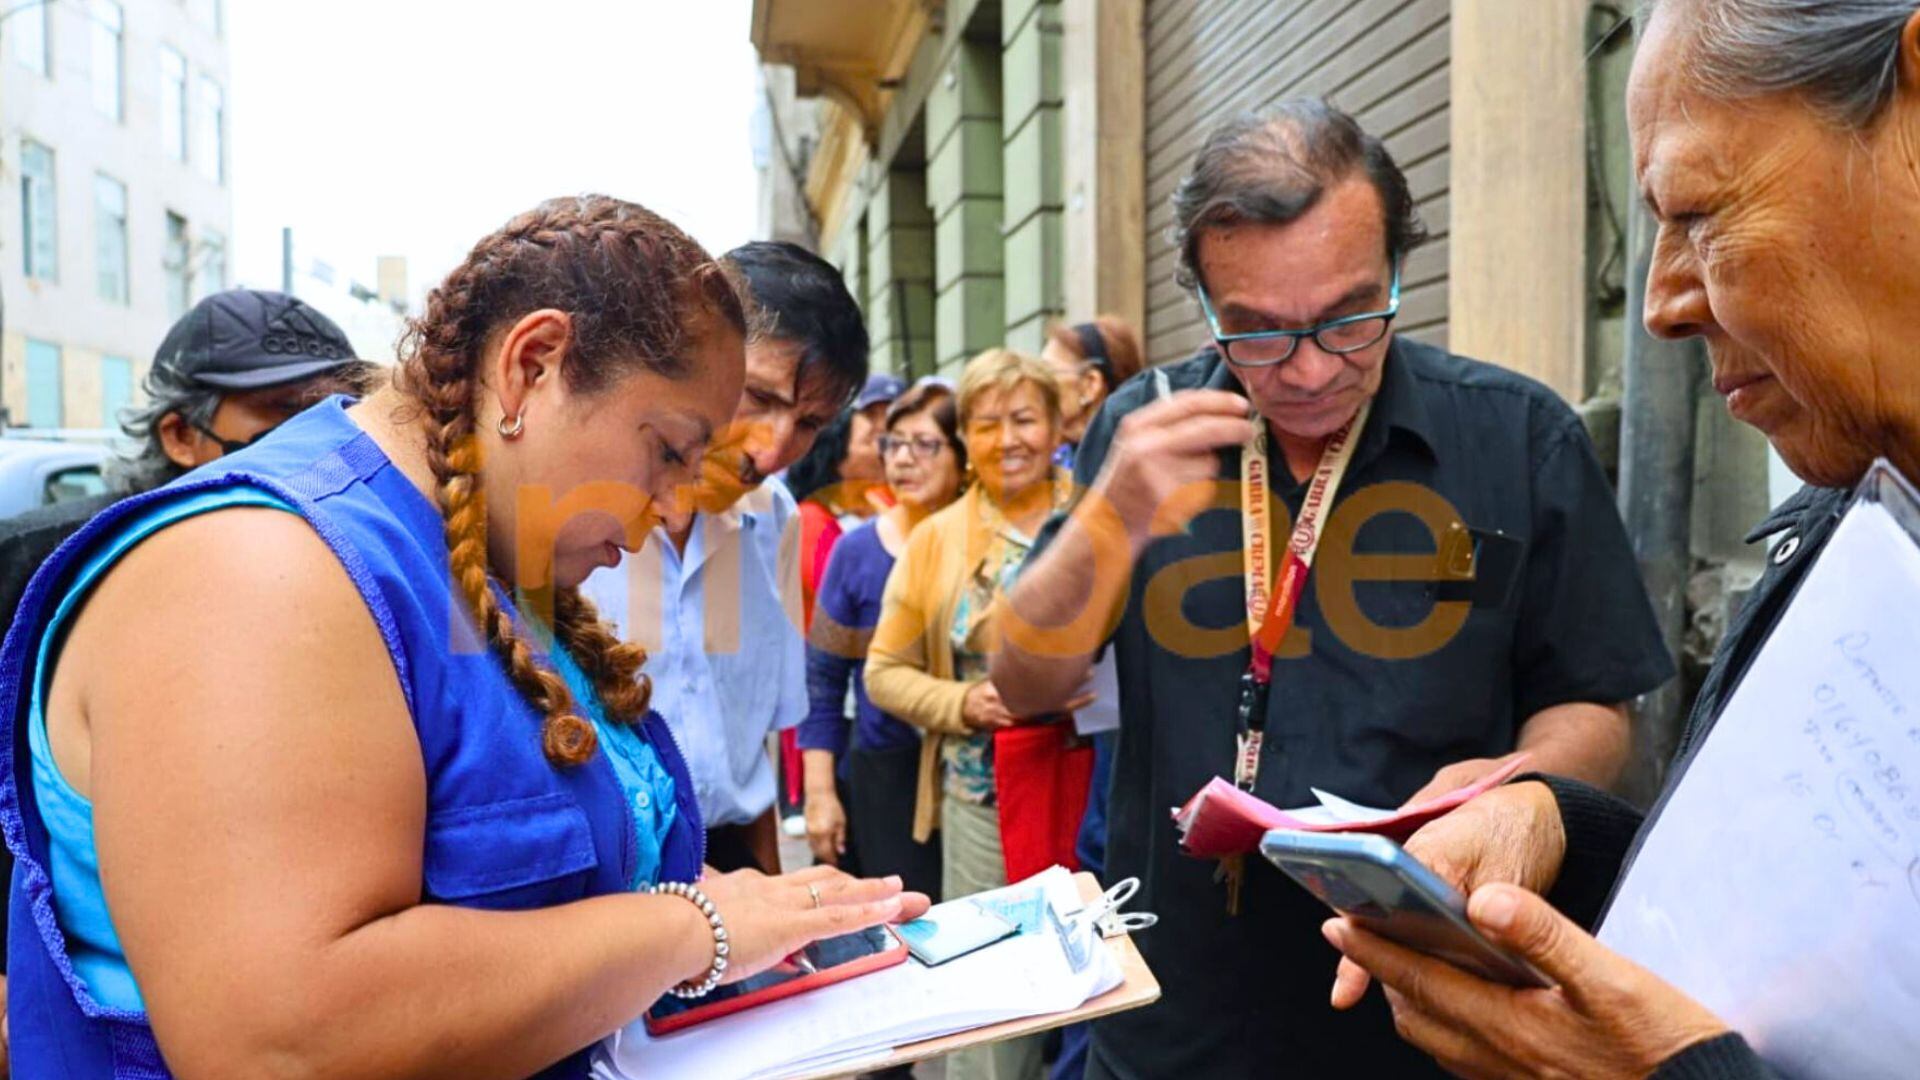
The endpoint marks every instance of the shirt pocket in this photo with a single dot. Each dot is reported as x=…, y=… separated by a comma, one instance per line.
x=1454, y=697
x=515, y=853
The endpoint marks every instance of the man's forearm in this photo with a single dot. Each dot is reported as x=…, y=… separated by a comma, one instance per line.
x=1581, y=740
x=1062, y=608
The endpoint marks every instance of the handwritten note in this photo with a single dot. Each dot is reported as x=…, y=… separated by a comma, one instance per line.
x=1780, y=884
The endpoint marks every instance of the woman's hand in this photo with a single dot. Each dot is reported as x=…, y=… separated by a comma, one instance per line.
x=771, y=918
x=826, y=826
x=1510, y=835
x=1606, y=1017
x=983, y=711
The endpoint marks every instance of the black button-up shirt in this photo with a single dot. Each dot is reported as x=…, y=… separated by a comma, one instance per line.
x=1351, y=713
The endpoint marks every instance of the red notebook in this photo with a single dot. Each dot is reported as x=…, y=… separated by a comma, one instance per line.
x=1222, y=820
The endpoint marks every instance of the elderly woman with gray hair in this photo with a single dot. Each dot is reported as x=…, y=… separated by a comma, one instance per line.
x=1776, y=143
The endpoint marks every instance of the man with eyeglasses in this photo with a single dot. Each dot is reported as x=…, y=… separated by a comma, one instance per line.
x=1326, y=556
x=717, y=604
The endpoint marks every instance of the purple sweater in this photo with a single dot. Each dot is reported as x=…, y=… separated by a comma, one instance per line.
x=848, y=601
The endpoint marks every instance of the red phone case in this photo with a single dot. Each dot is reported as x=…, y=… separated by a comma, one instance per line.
x=700, y=1014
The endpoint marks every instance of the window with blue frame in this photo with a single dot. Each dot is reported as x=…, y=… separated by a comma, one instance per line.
x=40, y=219
x=27, y=26
x=110, y=238
x=45, y=409
x=109, y=58
x=116, y=389
x=175, y=261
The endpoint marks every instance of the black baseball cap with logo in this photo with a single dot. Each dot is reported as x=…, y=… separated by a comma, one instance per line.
x=246, y=339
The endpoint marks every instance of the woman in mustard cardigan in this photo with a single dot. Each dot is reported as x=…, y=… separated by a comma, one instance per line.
x=984, y=773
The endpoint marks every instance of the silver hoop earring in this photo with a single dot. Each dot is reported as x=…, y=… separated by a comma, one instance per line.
x=512, y=430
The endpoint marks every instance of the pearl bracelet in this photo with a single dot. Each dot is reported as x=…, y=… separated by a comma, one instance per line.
x=699, y=899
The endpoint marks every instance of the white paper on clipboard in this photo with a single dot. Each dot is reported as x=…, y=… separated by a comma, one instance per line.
x=1780, y=883
x=1029, y=974
x=1104, y=685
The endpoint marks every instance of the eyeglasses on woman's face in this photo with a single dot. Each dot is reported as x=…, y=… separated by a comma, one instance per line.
x=921, y=447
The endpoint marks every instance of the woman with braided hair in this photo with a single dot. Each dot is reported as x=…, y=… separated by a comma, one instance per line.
x=383, y=797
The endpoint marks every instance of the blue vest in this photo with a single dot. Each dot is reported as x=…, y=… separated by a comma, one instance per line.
x=505, y=829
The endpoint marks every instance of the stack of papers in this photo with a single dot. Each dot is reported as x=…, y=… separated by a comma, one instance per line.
x=865, y=1018
x=1222, y=820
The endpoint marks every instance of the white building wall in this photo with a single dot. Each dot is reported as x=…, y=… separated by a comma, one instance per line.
x=58, y=110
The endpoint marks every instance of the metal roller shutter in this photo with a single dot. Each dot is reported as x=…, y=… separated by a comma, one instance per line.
x=1385, y=61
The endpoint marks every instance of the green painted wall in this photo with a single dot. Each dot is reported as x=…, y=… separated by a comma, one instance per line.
x=1031, y=147
x=965, y=190
x=966, y=253
x=899, y=300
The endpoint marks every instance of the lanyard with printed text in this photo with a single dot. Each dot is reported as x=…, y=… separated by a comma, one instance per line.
x=1270, y=608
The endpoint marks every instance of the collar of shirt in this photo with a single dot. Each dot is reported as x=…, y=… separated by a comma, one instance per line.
x=1808, y=518
x=1793, y=511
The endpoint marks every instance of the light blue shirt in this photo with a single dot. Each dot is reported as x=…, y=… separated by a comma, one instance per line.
x=721, y=625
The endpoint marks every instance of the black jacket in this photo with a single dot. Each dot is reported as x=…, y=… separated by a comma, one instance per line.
x=27, y=539
x=1601, y=830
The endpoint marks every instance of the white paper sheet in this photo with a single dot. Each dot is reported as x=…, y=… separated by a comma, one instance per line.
x=1023, y=976
x=1780, y=884
x=1346, y=811
x=1103, y=682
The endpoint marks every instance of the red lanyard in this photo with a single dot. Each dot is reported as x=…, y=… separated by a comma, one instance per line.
x=1270, y=613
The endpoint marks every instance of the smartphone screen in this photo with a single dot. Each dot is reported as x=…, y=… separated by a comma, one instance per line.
x=822, y=956
x=1404, y=902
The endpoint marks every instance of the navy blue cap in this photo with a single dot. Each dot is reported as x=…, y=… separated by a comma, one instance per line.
x=880, y=389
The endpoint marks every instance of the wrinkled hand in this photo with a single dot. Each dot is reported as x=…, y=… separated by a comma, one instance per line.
x=1163, y=457
x=826, y=826
x=770, y=918
x=1456, y=776
x=983, y=710
x=1607, y=1017
x=1512, y=835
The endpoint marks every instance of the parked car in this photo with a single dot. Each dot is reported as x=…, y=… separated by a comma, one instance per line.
x=40, y=472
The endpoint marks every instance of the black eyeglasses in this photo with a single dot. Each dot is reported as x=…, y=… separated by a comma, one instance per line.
x=923, y=447
x=229, y=446
x=1265, y=348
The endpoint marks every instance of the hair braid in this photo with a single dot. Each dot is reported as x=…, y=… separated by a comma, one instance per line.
x=632, y=281
x=612, y=665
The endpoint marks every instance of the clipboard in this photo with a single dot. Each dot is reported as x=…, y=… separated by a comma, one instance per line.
x=1137, y=988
